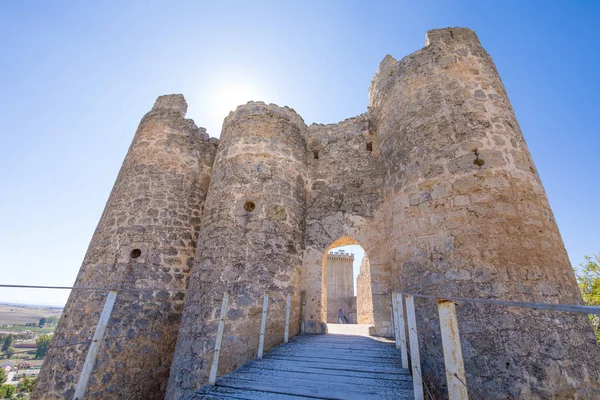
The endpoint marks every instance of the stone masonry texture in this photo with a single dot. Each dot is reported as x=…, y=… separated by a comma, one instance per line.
x=434, y=181
x=470, y=218
x=155, y=207
x=250, y=242
x=364, y=295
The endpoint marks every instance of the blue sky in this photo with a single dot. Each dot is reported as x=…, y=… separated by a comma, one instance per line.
x=76, y=78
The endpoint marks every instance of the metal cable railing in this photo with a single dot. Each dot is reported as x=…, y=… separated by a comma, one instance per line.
x=403, y=311
x=100, y=337
x=92, y=288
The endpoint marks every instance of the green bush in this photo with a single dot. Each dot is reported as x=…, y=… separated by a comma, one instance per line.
x=589, y=284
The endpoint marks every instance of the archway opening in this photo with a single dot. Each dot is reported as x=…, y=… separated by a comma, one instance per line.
x=346, y=296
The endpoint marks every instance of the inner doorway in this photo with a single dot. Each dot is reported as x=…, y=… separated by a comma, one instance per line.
x=347, y=295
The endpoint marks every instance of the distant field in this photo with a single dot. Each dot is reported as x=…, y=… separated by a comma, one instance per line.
x=19, y=314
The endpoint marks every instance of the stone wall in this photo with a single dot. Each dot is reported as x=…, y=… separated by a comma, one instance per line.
x=250, y=242
x=146, y=238
x=340, y=287
x=471, y=219
x=364, y=294
x=344, y=207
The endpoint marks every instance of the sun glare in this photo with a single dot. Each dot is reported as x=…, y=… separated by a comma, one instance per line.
x=226, y=98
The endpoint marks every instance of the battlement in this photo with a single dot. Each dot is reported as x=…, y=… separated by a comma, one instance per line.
x=256, y=108
x=340, y=255
x=451, y=35
x=171, y=103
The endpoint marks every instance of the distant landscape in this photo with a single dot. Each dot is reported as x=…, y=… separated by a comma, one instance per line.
x=25, y=335
x=21, y=314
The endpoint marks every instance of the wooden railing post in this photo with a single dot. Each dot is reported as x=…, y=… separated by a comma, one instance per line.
x=415, y=356
x=90, y=358
x=263, y=325
x=453, y=359
x=287, y=318
x=215, y=362
x=395, y=320
x=392, y=317
x=401, y=330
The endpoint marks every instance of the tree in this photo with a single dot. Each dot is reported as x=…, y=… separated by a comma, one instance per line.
x=43, y=344
x=42, y=322
x=7, y=391
x=2, y=375
x=10, y=352
x=26, y=386
x=8, y=342
x=589, y=284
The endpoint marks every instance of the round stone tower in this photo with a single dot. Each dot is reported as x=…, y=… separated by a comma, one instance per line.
x=146, y=238
x=249, y=243
x=471, y=219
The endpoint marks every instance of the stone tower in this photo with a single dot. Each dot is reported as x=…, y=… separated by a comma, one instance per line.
x=434, y=181
x=340, y=286
x=146, y=238
x=250, y=242
x=470, y=218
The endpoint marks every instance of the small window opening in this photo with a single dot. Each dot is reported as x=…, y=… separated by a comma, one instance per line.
x=370, y=146
x=249, y=206
x=316, y=154
x=478, y=161
x=135, y=253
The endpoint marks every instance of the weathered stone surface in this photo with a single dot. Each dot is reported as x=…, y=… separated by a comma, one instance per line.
x=435, y=182
x=314, y=327
x=344, y=207
x=445, y=105
x=246, y=250
x=155, y=207
x=364, y=294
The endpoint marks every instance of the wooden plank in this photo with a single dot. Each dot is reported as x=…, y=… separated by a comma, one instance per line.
x=319, y=338
x=396, y=323
x=348, y=345
x=320, y=366
x=282, y=366
x=380, y=357
x=346, y=367
x=90, y=359
x=316, y=356
x=415, y=357
x=302, y=390
x=316, y=376
x=392, y=317
x=342, y=359
x=295, y=385
x=218, y=392
x=287, y=318
x=453, y=358
x=340, y=349
x=324, y=349
x=402, y=330
x=330, y=337
x=349, y=365
x=335, y=367
x=215, y=363
x=356, y=347
x=263, y=324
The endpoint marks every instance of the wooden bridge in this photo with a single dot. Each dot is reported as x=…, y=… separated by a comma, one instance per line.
x=330, y=366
